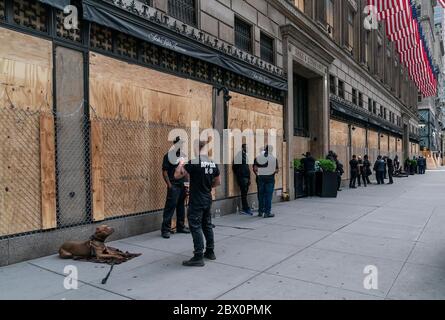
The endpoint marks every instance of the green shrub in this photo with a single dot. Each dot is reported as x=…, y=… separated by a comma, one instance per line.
x=298, y=165
x=327, y=165
x=414, y=163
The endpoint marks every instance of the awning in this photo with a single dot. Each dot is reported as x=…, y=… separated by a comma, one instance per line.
x=59, y=4
x=362, y=117
x=124, y=22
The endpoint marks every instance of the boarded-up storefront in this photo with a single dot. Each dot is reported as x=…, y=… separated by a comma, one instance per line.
x=373, y=145
x=133, y=109
x=246, y=112
x=339, y=143
x=384, y=145
x=358, y=141
x=27, y=170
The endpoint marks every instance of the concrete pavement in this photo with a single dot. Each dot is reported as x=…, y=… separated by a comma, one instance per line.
x=313, y=249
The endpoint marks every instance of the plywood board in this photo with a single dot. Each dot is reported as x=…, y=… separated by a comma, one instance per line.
x=339, y=143
x=246, y=112
x=137, y=108
x=48, y=171
x=25, y=71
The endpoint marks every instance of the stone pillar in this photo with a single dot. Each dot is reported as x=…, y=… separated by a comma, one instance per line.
x=220, y=123
x=289, y=118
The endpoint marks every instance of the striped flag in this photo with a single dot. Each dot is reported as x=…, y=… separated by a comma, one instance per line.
x=442, y=3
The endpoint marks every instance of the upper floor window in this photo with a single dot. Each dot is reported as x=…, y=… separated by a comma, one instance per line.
x=369, y=104
x=299, y=4
x=184, y=10
x=360, y=99
x=349, y=37
x=267, y=48
x=325, y=14
x=354, y=96
x=332, y=86
x=341, y=89
x=366, y=48
x=243, y=35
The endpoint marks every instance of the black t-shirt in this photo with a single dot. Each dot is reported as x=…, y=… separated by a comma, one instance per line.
x=261, y=165
x=308, y=164
x=353, y=164
x=241, y=170
x=170, y=168
x=202, y=175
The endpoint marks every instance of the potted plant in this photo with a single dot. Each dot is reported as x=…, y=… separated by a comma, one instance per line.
x=298, y=178
x=326, y=179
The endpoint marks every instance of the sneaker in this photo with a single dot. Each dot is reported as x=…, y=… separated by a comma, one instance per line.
x=196, y=261
x=210, y=254
x=166, y=235
x=269, y=215
x=260, y=214
x=247, y=212
x=184, y=230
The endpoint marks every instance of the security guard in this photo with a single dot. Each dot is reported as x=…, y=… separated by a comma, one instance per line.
x=176, y=193
x=203, y=175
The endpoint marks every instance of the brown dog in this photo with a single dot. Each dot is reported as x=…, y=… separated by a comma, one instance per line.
x=95, y=249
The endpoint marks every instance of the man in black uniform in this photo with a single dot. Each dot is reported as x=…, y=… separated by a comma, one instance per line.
x=308, y=163
x=203, y=176
x=242, y=173
x=353, y=164
x=390, y=165
x=175, y=193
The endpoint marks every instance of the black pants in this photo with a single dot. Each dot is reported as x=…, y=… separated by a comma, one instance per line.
x=200, y=223
x=244, y=183
x=354, y=175
x=338, y=181
x=366, y=177
x=360, y=177
x=309, y=180
x=380, y=175
x=390, y=175
x=175, y=201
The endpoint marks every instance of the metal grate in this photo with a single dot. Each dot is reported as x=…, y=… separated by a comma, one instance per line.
x=126, y=46
x=30, y=14
x=267, y=48
x=101, y=38
x=243, y=35
x=62, y=32
x=184, y=10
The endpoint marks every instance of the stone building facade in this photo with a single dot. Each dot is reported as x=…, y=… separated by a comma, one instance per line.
x=137, y=69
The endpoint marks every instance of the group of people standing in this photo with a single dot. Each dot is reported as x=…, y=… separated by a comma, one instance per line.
x=196, y=179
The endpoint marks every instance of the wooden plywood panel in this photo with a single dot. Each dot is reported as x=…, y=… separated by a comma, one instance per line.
x=27, y=172
x=384, y=144
x=137, y=108
x=339, y=143
x=97, y=171
x=359, y=141
x=25, y=71
x=246, y=112
x=373, y=145
x=48, y=171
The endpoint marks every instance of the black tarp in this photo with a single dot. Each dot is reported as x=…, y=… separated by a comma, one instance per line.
x=59, y=4
x=122, y=22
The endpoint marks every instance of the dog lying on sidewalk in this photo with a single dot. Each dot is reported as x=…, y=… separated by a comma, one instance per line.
x=95, y=250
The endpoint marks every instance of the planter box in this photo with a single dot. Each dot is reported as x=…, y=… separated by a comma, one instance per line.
x=299, y=184
x=326, y=184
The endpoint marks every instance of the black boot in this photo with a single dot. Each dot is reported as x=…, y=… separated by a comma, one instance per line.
x=196, y=261
x=210, y=254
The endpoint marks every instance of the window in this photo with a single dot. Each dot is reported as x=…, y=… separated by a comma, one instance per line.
x=369, y=104
x=301, y=106
x=267, y=48
x=341, y=89
x=381, y=112
x=184, y=10
x=332, y=86
x=366, y=47
x=243, y=35
x=384, y=113
x=360, y=100
x=299, y=4
x=325, y=14
x=374, y=107
x=350, y=29
x=330, y=16
x=354, y=96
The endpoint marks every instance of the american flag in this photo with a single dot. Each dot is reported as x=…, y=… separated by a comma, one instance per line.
x=402, y=28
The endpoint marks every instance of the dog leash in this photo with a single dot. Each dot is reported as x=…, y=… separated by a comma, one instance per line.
x=104, y=280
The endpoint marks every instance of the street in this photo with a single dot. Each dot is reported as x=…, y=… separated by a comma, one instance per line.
x=314, y=249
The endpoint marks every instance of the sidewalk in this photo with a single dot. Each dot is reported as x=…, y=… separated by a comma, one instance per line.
x=313, y=249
